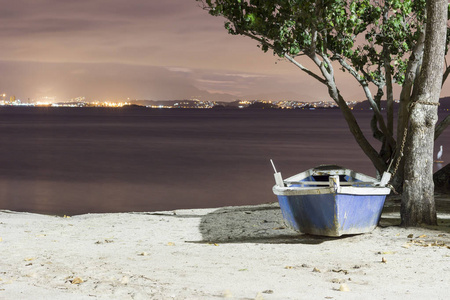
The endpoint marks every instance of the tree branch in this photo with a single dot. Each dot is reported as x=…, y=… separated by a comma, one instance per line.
x=413, y=66
x=334, y=93
x=373, y=122
x=373, y=104
x=328, y=66
x=367, y=148
x=388, y=77
x=441, y=127
x=446, y=73
x=291, y=59
x=389, y=93
x=307, y=71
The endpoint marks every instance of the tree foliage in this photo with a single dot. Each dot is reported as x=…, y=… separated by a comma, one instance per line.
x=379, y=42
x=358, y=30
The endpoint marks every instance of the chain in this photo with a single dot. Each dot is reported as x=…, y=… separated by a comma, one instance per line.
x=402, y=147
x=405, y=133
x=397, y=164
x=425, y=103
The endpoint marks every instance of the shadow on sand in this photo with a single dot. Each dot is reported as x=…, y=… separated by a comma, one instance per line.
x=252, y=224
x=264, y=224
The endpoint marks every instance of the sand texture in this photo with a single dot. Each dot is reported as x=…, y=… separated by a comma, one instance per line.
x=234, y=252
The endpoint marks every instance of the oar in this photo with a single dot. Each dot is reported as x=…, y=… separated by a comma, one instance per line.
x=277, y=175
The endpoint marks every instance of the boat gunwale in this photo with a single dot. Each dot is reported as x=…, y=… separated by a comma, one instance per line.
x=344, y=190
x=336, y=170
x=371, y=186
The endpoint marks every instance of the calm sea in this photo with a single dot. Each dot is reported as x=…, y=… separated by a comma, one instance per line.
x=79, y=160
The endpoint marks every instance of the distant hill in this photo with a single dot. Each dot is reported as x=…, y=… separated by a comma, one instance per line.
x=364, y=105
x=261, y=105
x=278, y=96
x=444, y=104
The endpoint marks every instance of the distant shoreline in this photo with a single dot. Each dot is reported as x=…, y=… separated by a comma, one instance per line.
x=198, y=104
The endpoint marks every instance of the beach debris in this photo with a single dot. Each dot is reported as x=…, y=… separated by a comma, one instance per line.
x=104, y=241
x=316, y=270
x=436, y=243
x=279, y=228
x=344, y=288
x=406, y=245
x=340, y=271
x=422, y=236
x=66, y=217
x=383, y=260
x=289, y=267
x=336, y=280
x=410, y=236
x=259, y=296
x=170, y=244
x=5, y=281
x=76, y=280
x=268, y=292
x=125, y=280
x=143, y=254
x=227, y=294
x=29, y=258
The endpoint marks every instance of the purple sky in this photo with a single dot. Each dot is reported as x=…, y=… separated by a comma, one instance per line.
x=139, y=49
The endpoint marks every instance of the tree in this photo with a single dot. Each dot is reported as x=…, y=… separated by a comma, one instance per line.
x=378, y=42
x=418, y=195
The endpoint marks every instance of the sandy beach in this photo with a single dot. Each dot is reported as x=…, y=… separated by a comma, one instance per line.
x=241, y=252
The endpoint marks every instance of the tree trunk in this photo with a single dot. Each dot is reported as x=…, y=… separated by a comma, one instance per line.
x=418, y=205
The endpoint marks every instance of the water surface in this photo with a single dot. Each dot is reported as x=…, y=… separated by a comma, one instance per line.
x=80, y=160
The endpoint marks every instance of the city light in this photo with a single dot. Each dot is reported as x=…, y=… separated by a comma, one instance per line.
x=49, y=101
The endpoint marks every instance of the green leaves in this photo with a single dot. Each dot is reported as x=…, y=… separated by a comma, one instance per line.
x=359, y=31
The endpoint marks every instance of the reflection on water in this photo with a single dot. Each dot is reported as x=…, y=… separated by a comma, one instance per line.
x=72, y=161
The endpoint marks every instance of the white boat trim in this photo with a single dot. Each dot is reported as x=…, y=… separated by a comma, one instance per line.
x=352, y=183
x=317, y=172
x=364, y=185
x=347, y=190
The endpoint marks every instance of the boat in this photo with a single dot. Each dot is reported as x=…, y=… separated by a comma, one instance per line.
x=330, y=200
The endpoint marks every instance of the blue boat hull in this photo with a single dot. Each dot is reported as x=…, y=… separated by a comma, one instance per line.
x=332, y=214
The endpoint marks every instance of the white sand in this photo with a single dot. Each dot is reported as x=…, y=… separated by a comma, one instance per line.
x=235, y=252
